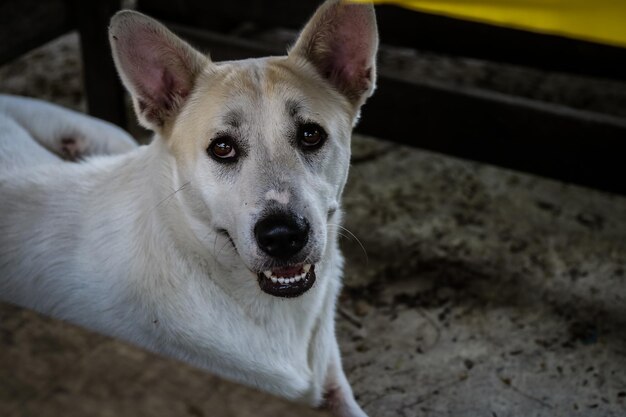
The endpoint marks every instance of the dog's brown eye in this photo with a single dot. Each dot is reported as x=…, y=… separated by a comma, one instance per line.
x=223, y=149
x=311, y=135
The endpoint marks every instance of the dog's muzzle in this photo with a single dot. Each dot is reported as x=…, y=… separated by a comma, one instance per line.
x=282, y=236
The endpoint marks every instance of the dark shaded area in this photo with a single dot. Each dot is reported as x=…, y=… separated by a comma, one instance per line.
x=26, y=24
x=573, y=146
x=105, y=98
x=478, y=40
x=412, y=29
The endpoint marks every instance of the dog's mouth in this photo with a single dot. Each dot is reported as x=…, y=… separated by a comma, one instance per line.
x=291, y=281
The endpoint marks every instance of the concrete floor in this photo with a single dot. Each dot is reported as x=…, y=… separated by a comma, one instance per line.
x=484, y=292
x=479, y=292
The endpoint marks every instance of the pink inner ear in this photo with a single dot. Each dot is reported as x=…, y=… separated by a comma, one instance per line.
x=152, y=82
x=352, y=48
x=155, y=68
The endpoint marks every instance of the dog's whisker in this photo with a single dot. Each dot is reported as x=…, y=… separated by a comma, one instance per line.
x=344, y=235
x=228, y=241
x=214, y=241
x=339, y=227
x=182, y=187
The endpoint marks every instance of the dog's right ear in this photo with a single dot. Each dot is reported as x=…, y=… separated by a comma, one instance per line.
x=157, y=68
x=341, y=41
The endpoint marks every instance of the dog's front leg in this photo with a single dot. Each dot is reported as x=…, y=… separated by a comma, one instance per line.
x=338, y=396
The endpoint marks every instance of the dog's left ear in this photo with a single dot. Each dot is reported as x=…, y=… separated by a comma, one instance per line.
x=341, y=41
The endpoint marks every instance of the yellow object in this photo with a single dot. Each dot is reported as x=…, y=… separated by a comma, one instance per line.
x=602, y=21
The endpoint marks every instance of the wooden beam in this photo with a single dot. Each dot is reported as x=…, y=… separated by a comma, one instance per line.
x=549, y=140
x=49, y=367
x=105, y=94
x=224, y=15
x=222, y=47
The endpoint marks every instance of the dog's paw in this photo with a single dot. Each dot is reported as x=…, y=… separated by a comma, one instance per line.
x=72, y=148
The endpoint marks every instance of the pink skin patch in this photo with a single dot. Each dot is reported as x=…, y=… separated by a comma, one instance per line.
x=288, y=271
x=72, y=149
x=334, y=399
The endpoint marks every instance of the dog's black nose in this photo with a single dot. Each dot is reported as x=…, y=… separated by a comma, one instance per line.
x=282, y=235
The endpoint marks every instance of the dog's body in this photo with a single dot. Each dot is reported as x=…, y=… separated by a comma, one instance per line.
x=189, y=245
x=130, y=275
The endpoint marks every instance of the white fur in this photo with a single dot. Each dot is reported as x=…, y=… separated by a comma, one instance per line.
x=129, y=245
x=97, y=244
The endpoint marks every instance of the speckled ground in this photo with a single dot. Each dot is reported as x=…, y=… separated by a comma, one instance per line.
x=478, y=291
x=484, y=292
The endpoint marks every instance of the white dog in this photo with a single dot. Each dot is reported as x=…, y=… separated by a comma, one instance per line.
x=217, y=243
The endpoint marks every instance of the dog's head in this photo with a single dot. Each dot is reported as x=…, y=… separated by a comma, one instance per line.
x=261, y=145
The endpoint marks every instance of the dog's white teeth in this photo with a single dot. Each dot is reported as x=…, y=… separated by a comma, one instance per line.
x=288, y=280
